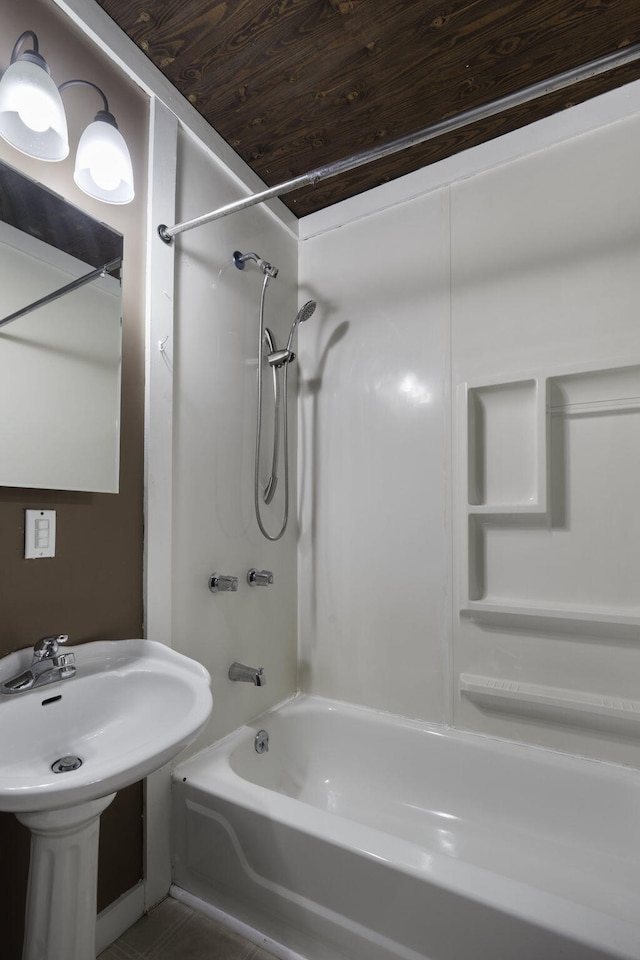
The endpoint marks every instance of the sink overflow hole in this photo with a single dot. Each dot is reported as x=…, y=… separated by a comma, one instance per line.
x=65, y=764
x=52, y=700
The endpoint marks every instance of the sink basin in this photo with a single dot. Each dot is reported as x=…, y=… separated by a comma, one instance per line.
x=130, y=708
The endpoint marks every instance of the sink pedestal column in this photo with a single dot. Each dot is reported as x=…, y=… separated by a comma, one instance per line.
x=63, y=878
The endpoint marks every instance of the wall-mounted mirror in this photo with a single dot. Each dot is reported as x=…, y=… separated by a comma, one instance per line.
x=60, y=354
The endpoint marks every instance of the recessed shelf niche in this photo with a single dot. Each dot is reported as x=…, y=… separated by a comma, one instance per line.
x=503, y=435
x=552, y=466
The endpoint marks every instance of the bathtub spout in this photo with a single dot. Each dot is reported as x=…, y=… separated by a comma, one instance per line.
x=238, y=671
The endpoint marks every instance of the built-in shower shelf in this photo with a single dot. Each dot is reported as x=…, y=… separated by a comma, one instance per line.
x=507, y=509
x=622, y=615
x=548, y=466
x=505, y=447
x=592, y=708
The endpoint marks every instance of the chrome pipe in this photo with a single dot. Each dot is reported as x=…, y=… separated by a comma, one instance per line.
x=560, y=81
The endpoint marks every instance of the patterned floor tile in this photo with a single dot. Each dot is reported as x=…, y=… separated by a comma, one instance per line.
x=172, y=931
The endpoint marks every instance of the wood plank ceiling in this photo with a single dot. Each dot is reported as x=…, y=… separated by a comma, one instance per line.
x=293, y=85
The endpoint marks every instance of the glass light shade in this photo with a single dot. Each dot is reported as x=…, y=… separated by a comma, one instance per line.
x=103, y=165
x=32, y=117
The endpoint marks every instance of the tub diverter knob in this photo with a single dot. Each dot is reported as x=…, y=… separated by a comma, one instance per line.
x=259, y=578
x=218, y=583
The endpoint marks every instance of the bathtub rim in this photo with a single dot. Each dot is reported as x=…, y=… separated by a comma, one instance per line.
x=483, y=740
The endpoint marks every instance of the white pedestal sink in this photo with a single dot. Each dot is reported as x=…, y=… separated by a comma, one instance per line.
x=130, y=708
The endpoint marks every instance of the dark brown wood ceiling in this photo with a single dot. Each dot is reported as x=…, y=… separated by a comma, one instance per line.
x=293, y=85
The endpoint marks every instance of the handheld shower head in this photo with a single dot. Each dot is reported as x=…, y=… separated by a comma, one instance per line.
x=305, y=311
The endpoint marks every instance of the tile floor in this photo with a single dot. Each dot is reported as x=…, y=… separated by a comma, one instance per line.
x=173, y=931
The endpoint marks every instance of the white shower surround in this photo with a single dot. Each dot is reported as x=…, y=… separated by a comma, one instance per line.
x=506, y=288
x=363, y=834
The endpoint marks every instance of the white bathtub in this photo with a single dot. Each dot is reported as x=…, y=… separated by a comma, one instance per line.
x=369, y=837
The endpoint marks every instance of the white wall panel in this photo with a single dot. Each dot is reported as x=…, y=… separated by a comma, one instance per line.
x=545, y=254
x=373, y=558
x=214, y=422
x=533, y=274
x=545, y=283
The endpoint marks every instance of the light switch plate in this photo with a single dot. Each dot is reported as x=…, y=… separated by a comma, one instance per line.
x=39, y=534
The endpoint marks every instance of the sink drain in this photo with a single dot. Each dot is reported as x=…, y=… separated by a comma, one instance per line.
x=65, y=764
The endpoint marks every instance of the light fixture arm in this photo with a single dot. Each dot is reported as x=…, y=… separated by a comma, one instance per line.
x=20, y=41
x=30, y=56
x=104, y=114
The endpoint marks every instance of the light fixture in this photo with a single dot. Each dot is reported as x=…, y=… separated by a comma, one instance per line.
x=103, y=166
x=32, y=117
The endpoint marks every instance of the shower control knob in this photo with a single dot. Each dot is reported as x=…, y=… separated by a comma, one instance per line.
x=221, y=584
x=259, y=578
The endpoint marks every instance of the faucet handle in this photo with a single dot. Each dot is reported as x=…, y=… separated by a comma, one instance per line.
x=66, y=665
x=218, y=582
x=259, y=578
x=48, y=646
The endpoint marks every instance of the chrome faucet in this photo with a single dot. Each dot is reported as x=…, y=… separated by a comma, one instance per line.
x=259, y=578
x=218, y=582
x=47, y=666
x=238, y=671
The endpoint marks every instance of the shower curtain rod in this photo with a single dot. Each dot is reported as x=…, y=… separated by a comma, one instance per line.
x=533, y=92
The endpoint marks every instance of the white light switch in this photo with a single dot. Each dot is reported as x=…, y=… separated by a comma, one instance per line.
x=39, y=534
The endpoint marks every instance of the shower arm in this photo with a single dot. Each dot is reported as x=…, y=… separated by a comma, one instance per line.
x=533, y=92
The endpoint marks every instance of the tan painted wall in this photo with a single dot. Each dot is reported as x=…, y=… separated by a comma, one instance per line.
x=93, y=587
